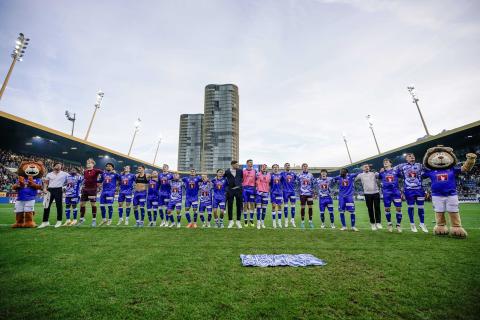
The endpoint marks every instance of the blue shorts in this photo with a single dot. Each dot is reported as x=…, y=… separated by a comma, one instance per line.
x=414, y=196
x=261, y=198
x=139, y=198
x=152, y=202
x=248, y=194
x=205, y=205
x=325, y=202
x=125, y=197
x=71, y=201
x=163, y=199
x=107, y=197
x=346, y=203
x=191, y=202
x=276, y=198
x=389, y=196
x=219, y=202
x=174, y=204
x=289, y=196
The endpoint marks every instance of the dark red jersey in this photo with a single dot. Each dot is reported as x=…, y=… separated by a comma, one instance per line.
x=90, y=178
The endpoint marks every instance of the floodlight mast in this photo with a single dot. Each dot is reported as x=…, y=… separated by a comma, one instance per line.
x=370, y=124
x=415, y=99
x=17, y=55
x=137, y=128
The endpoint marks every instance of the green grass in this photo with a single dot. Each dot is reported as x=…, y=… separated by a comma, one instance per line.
x=129, y=273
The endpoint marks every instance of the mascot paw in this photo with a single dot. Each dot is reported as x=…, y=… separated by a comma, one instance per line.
x=471, y=156
x=29, y=223
x=20, y=221
x=458, y=232
x=440, y=230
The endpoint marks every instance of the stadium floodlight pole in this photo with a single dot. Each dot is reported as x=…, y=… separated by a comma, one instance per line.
x=17, y=55
x=100, y=95
x=411, y=89
x=71, y=118
x=137, y=127
x=346, y=145
x=156, y=151
x=370, y=124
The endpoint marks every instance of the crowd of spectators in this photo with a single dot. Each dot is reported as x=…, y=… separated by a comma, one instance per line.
x=10, y=161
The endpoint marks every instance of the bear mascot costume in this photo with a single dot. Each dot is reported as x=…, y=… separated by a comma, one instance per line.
x=29, y=181
x=442, y=169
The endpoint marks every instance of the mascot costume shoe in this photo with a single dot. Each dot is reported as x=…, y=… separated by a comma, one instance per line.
x=29, y=181
x=442, y=169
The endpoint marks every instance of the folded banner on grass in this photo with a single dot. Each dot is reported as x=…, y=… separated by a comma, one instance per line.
x=279, y=260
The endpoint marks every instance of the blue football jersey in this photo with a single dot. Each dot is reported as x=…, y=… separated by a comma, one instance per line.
x=411, y=174
x=306, y=181
x=443, y=181
x=389, y=179
x=126, y=183
x=219, y=188
x=324, y=186
x=205, y=191
x=165, y=179
x=191, y=186
x=72, y=185
x=289, y=180
x=153, y=186
x=109, y=181
x=276, y=183
x=346, y=186
x=176, y=192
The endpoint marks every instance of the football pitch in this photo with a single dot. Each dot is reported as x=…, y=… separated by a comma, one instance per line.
x=157, y=273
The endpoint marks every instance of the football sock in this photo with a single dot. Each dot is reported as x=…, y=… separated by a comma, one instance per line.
x=285, y=211
x=332, y=217
x=245, y=216
x=279, y=215
x=421, y=214
x=149, y=213
x=259, y=213
x=209, y=218
x=155, y=213
x=352, y=219
x=388, y=215
x=104, y=211
x=187, y=215
x=179, y=217
x=310, y=213
x=264, y=213
x=127, y=212
x=195, y=216
x=82, y=212
x=251, y=216
x=135, y=212
x=274, y=215
x=120, y=212
x=410, y=214
x=322, y=217
x=161, y=213
x=202, y=216
x=142, y=212
x=302, y=214
x=67, y=213
x=293, y=212
x=110, y=212
x=94, y=211
x=342, y=219
x=75, y=213
x=399, y=217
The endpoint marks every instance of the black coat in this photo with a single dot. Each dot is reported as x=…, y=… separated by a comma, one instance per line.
x=234, y=181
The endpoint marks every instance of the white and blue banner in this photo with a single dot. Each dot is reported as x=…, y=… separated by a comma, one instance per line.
x=280, y=260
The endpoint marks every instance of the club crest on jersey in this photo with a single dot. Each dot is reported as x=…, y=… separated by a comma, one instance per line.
x=412, y=174
x=442, y=177
x=125, y=182
x=324, y=186
x=389, y=178
x=345, y=183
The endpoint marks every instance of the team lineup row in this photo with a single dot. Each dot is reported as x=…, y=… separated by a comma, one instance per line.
x=162, y=194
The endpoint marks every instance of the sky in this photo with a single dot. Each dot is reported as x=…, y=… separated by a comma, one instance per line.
x=307, y=70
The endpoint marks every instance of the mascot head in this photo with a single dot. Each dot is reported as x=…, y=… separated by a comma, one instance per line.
x=34, y=169
x=439, y=157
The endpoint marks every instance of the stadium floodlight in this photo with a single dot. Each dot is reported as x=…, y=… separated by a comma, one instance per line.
x=137, y=128
x=17, y=55
x=370, y=124
x=71, y=118
x=98, y=102
x=344, y=135
x=415, y=99
x=156, y=151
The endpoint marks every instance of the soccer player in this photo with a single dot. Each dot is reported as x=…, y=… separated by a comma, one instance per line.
x=140, y=195
x=219, y=197
x=248, y=185
x=276, y=196
x=263, y=188
x=325, y=198
x=346, y=188
x=306, y=182
x=89, y=191
x=175, y=201
x=205, y=187
x=109, y=179
x=289, y=179
x=125, y=195
x=72, y=195
x=191, y=195
x=152, y=198
x=164, y=194
x=391, y=193
x=411, y=173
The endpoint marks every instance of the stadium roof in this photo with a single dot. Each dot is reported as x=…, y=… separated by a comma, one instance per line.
x=23, y=136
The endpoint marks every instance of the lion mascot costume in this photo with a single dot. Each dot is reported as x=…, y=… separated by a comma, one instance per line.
x=29, y=181
x=441, y=168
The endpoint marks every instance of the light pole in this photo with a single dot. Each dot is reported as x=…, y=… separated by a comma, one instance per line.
x=411, y=89
x=71, y=118
x=156, y=151
x=346, y=146
x=100, y=95
x=137, y=127
x=17, y=55
x=370, y=124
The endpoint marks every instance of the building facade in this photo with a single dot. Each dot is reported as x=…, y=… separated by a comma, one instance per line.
x=220, y=127
x=190, y=142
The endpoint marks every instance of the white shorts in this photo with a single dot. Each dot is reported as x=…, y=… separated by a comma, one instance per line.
x=24, y=206
x=445, y=204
